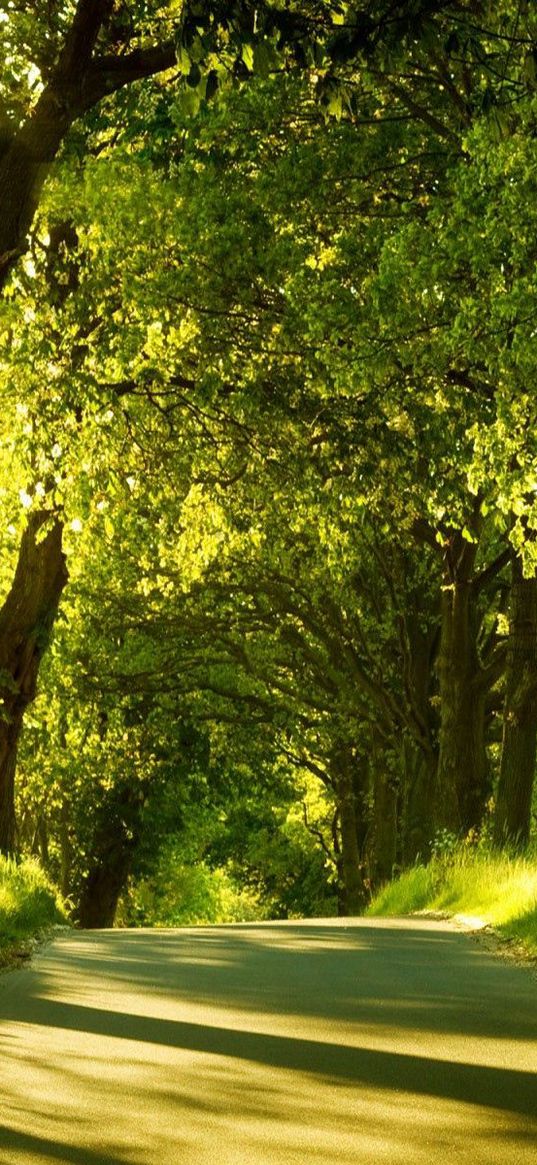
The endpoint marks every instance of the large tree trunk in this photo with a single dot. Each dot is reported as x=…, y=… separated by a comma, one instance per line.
x=342, y=765
x=461, y=786
x=102, y=891
x=419, y=752
x=340, y=884
x=66, y=848
x=380, y=820
x=116, y=837
x=384, y=848
x=417, y=804
x=26, y=619
x=519, y=741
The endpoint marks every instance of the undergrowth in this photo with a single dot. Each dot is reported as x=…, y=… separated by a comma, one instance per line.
x=29, y=904
x=498, y=888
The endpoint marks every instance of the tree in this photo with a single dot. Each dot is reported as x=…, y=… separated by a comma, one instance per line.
x=519, y=744
x=73, y=57
x=222, y=328
x=98, y=49
x=329, y=341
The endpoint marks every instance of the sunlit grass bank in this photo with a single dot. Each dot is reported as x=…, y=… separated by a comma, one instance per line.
x=501, y=890
x=29, y=903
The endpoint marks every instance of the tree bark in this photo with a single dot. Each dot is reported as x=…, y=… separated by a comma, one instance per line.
x=351, y=858
x=417, y=804
x=116, y=837
x=101, y=893
x=65, y=848
x=419, y=751
x=384, y=827
x=380, y=819
x=461, y=785
x=26, y=619
x=519, y=740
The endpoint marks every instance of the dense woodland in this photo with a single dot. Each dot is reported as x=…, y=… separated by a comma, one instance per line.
x=268, y=460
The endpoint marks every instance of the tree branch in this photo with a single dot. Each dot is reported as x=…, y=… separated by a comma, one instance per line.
x=492, y=570
x=108, y=74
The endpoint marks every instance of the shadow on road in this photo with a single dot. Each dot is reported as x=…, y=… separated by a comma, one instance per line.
x=364, y=978
x=44, y=1149
x=424, y=980
x=503, y=1089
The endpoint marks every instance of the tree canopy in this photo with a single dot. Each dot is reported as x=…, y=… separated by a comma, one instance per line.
x=268, y=470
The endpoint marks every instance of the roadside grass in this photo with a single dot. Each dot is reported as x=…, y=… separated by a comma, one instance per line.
x=29, y=905
x=498, y=888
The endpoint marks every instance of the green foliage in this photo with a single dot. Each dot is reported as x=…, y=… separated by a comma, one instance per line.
x=498, y=889
x=522, y=928
x=270, y=358
x=29, y=902
x=180, y=895
x=413, y=890
x=271, y=853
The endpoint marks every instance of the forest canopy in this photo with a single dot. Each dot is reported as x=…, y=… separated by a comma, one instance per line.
x=268, y=467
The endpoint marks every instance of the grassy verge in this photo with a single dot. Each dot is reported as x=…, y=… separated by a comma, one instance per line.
x=501, y=890
x=29, y=904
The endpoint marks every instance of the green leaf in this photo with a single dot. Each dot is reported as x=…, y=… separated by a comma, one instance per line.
x=247, y=54
x=265, y=58
x=188, y=102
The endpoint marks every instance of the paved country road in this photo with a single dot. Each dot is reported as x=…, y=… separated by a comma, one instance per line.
x=336, y=1043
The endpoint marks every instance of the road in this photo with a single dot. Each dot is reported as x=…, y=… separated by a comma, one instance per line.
x=335, y=1043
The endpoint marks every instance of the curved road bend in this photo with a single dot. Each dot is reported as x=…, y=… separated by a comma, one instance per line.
x=332, y=1043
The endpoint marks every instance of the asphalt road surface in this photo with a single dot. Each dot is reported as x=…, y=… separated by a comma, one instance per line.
x=330, y=1043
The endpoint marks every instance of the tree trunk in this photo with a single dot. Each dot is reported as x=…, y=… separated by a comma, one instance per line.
x=461, y=785
x=384, y=847
x=340, y=885
x=101, y=893
x=419, y=637
x=351, y=859
x=519, y=741
x=26, y=620
x=417, y=808
x=116, y=837
x=381, y=820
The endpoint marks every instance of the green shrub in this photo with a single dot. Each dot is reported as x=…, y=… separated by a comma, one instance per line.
x=28, y=901
x=182, y=895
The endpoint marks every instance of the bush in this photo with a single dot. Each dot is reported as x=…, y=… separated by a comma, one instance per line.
x=183, y=895
x=29, y=903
